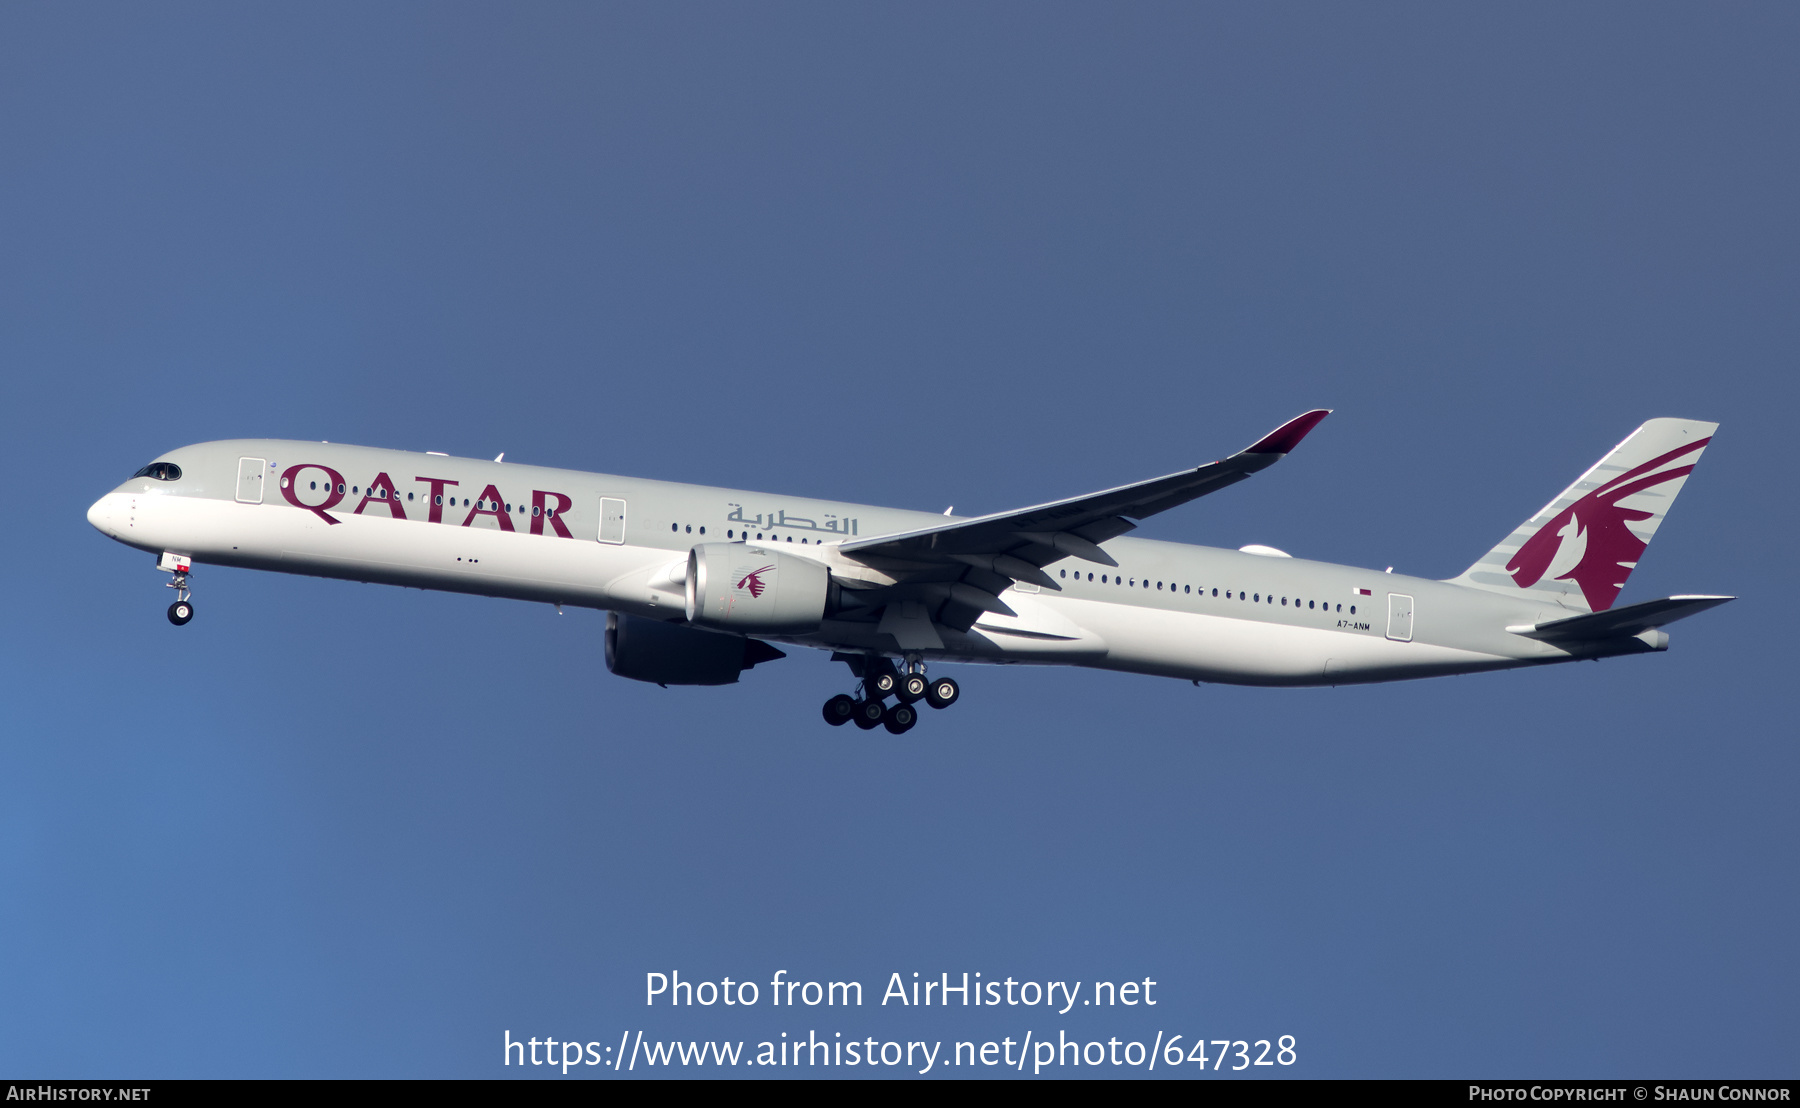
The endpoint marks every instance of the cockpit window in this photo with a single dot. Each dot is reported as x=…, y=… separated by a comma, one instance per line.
x=160, y=471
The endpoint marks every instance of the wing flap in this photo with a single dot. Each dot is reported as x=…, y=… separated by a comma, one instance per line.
x=1067, y=542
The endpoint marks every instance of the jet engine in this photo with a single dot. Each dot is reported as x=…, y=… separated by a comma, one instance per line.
x=671, y=654
x=753, y=590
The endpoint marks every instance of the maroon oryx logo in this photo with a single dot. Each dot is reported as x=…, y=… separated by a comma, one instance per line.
x=1588, y=542
x=754, y=582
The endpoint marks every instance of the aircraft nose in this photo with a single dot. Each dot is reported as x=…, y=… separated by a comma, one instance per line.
x=103, y=513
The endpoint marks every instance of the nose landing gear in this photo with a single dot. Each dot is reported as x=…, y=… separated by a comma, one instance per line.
x=880, y=680
x=183, y=609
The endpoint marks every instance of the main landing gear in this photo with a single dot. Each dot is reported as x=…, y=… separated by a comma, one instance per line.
x=880, y=680
x=183, y=609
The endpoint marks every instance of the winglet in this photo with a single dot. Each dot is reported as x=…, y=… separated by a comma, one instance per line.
x=1283, y=439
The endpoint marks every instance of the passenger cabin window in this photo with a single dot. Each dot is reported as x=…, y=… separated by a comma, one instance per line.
x=160, y=471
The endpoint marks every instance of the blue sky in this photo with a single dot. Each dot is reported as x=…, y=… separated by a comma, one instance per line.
x=918, y=255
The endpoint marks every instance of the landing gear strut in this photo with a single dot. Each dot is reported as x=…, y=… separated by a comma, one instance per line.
x=183, y=609
x=880, y=680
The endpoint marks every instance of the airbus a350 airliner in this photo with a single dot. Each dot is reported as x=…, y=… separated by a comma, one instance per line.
x=698, y=582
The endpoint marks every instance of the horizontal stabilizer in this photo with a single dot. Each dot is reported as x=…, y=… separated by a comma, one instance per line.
x=1633, y=619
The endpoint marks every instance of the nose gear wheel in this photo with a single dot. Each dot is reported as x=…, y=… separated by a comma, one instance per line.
x=183, y=609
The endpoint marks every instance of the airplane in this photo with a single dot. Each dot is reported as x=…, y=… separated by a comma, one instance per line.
x=700, y=583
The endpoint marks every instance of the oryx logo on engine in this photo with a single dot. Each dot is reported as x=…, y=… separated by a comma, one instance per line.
x=753, y=583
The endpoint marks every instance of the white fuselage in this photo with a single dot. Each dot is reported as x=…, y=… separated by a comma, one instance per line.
x=615, y=543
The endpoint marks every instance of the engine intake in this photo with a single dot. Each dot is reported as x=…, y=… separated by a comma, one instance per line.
x=753, y=590
x=671, y=654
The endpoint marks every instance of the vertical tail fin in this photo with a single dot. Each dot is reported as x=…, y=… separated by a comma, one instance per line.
x=1578, y=549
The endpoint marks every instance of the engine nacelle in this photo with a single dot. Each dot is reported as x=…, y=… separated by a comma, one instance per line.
x=754, y=591
x=671, y=654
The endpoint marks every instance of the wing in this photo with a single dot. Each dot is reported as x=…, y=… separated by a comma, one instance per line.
x=960, y=567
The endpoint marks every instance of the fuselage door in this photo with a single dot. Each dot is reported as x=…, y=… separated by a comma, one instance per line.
x=1400, y=613
x=250, y=480
x=612, y=520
